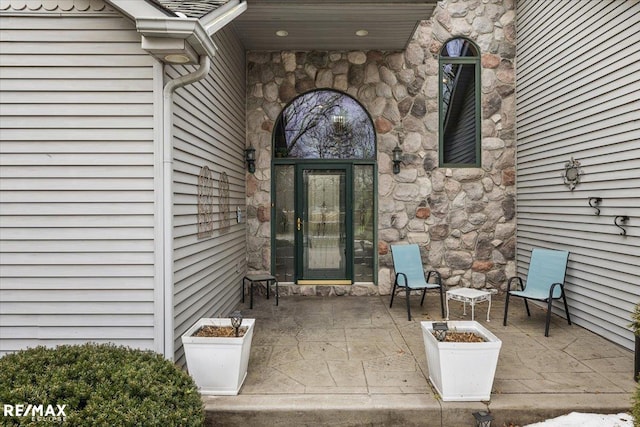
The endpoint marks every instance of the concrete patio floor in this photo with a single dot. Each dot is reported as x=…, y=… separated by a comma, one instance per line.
x=347, y=361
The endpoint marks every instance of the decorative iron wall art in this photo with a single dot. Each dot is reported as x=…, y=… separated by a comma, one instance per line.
x=620, y=222
x=571, y=174
x=205, y=203
x=225, y=214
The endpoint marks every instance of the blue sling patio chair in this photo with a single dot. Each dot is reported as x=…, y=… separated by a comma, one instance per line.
x=545, y=282
x=407, y=264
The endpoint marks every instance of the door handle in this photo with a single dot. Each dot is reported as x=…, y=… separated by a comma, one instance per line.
x=299, y=224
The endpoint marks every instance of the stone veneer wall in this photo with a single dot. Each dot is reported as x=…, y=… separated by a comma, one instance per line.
x=462, y=218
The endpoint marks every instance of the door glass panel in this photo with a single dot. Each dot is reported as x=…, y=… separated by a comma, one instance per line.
x=363, y=223
x=324, y=228
x=285, y=223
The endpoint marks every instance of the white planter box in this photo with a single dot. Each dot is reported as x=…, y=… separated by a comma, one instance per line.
x=218, y=365
x=462, y=371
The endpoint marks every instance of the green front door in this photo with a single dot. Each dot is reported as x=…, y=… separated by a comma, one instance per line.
x=323, y=228
x=323, y=231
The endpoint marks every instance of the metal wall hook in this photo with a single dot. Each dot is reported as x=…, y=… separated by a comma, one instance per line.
x=621, y=219
x=594, y=202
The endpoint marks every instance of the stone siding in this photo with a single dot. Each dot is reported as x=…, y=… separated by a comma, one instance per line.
x=464, y=219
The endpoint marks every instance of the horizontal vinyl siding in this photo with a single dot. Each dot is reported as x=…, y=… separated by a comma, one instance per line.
x=209, y=130
x=578, y=95
x=76, y=183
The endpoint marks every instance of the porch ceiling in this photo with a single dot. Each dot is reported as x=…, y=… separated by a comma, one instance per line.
x=331, y=24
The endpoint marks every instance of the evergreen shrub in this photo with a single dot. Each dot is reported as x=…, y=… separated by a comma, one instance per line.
x=101, y=385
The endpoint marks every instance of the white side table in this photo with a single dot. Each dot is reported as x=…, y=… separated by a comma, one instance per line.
x=471, y=296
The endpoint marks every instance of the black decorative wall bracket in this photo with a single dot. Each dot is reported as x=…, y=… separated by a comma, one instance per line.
x=594, y=202
x=621, y=219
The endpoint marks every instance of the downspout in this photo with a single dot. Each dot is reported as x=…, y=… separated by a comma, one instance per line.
x=162, y=35
x=167, y=189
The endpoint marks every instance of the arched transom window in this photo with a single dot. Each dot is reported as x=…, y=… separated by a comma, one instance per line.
x=324, y=124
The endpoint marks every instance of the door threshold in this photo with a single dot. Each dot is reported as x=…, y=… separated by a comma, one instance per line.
x=324, y=282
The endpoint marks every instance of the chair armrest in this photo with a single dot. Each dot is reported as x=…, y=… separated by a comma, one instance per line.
x=438, y=277
x=553, y=286
x=518, y=279
x=406, y=282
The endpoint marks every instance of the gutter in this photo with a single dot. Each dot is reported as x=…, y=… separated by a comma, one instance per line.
x=214, y=21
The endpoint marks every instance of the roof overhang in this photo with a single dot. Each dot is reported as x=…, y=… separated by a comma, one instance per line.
x=175, y=38
x=137, y=9
x=308, y=25
x=331, y=24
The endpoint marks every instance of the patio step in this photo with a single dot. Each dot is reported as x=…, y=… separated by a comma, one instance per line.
x=423, y=410
x=324, y=410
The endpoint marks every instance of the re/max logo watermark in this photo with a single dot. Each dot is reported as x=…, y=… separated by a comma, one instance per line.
x=36, y=412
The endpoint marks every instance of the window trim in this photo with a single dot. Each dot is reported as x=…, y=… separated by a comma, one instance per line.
x=476, y=61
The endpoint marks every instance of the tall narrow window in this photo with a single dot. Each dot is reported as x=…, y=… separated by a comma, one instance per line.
x=459, y=104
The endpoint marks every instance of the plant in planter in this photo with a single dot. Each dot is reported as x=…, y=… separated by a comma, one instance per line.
x=462, y=360
x=217, y=352
x=635, y=326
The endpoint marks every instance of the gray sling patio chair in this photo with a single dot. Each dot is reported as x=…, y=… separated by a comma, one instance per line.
x=545, y=282
x=407, y=264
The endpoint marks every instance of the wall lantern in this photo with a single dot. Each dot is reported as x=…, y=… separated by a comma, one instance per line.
x=483, y=419
x=397, y=159
x=250, y=157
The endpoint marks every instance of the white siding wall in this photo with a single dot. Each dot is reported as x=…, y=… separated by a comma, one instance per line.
x=209, y=130
x=77, y=212
x=578, y=95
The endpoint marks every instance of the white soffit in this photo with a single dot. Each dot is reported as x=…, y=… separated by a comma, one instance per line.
x=331, y=24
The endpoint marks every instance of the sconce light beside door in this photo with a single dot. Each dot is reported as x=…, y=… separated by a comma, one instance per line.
x=397, y=159
x=250, y=157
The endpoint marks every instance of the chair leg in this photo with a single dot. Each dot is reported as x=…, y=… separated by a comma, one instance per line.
x=393, y=292
x=277, y=293
x=251, y=296
x=442, y=300
x=424, y=292
x=408, y=304
x=506, y=309
x=546, y=326
x=566, y=307
x=526, y=304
